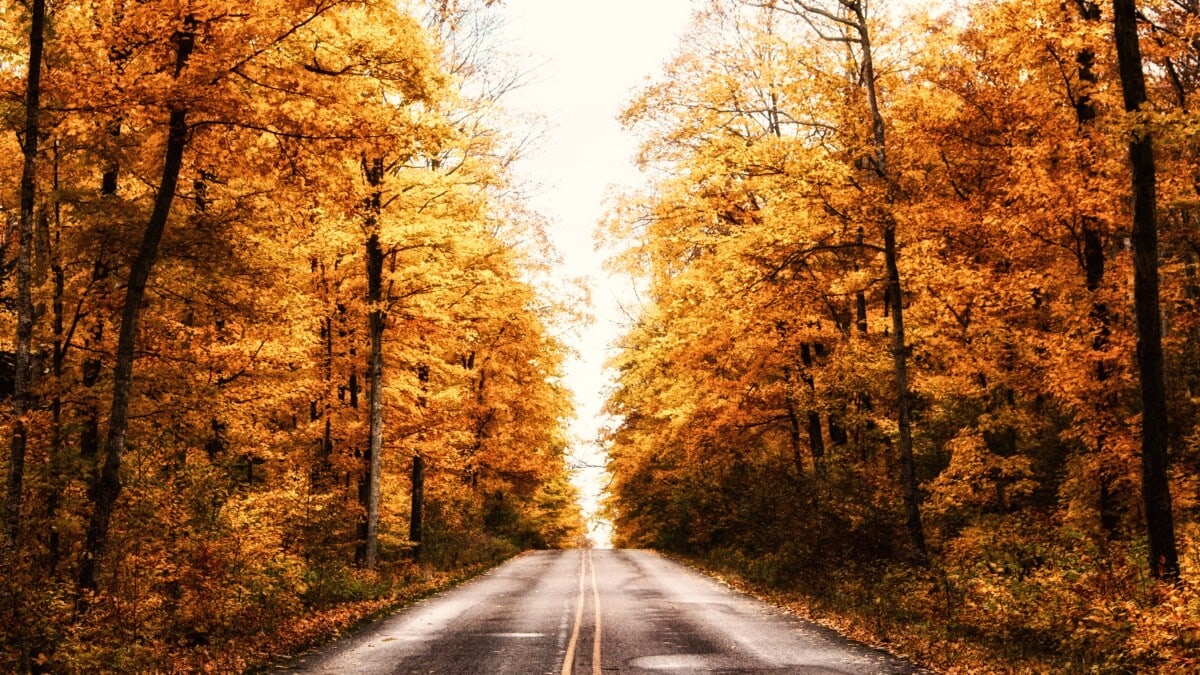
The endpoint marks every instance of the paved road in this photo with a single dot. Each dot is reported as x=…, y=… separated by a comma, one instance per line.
x=592, y=612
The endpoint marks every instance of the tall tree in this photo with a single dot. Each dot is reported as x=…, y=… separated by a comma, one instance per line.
x=846, y=21
x=28, y=198
x=108, y=482
x=369, y=483
x=1156, y=491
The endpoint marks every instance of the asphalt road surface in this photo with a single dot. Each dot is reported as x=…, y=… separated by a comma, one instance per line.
x=589, y=612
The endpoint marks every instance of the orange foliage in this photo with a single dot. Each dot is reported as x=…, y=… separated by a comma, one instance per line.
x=235, y=525
x=756, y=418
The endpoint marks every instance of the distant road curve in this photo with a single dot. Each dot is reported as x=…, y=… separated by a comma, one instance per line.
x=589, y=612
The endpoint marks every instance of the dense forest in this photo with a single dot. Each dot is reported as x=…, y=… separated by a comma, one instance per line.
x=276, y=338
x=920, y=328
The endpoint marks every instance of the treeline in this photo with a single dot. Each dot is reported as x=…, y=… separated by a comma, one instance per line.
x=272, y=336
x=903, y=340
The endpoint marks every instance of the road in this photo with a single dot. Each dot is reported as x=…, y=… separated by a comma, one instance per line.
x=589, y=612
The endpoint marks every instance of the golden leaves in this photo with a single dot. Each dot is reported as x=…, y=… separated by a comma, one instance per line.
x=248, y=414
x=753, y=418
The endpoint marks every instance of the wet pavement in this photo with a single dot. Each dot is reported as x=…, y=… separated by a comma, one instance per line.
x=593, y=612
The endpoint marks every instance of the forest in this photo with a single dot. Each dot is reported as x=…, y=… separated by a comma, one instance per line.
x=278, y=347
x=916, y=349
x=919, y=334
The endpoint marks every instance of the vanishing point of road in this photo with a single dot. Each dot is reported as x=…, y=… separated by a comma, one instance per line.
x=589, y=612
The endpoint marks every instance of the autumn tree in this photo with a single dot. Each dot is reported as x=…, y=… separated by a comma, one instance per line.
x=1164, y=560
x=22, y=365
x=813, y=133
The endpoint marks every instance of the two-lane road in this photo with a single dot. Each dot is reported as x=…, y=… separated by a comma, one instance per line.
x=589, y=612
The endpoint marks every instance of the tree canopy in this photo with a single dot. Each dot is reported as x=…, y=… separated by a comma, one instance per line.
x=891, y=333
x=272, y=259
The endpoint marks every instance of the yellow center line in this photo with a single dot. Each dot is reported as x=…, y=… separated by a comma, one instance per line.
x=596, y=669
x=569, y=659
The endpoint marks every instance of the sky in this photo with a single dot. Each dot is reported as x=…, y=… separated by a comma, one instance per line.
x=586, y=58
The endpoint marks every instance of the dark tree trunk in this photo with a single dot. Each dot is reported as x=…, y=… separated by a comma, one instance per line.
x=860, y=297
x=416, y=519
x=1156, y=493
x=108, y=181
x=324, y=465
x=108, y=483
x=58, y=476
x=59, y=471
x=908, y=479
x=1105, y=402
x=1094, y=264
x=24, y=370
x=816, y=442
x=369, y=487
x=793, y=423
x=837, y=433
x=895, y=291
x=416, y=513
x=89, y=434
x=368, y=491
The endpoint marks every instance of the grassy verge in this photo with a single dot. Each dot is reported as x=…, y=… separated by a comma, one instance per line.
x=872, y=611
x=377, y=597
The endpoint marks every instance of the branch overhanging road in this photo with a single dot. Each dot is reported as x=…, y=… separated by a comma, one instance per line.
x=588, y=612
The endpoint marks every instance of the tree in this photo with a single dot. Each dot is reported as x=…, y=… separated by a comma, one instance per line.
x=1156, y=492
x=846, y=22
x=23, y=368
x=108, y=483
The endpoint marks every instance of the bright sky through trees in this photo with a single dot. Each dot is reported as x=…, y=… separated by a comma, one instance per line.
x=587, y=58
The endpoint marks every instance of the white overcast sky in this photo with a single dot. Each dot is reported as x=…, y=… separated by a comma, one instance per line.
x=586, y=58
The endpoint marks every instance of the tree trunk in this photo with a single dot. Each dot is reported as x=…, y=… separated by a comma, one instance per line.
x=416, y=512
x=793, y=423
x=89, y=433
x=816, y=442
x=1094, y=264
x=837, y=434
x=108, y=181
x=908, y=480
x=1156, y=493
x=59, y=466
x=108, y=483
x=323, y=467
x=24, y=369
x=415, y=521
x=370, y=488
x=860, y=296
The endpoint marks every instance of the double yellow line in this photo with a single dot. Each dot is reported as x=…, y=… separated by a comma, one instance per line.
x=586, y=568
